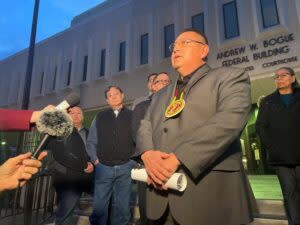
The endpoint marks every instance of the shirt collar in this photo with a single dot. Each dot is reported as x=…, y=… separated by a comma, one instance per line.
x=117, y=111
x=79, y=129
x=184, y=80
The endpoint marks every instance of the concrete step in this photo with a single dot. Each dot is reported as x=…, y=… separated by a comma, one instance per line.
x=270, y=212
x=83, y=220
x=261, y=221
x=272, y=209
x=77, y=220
x=85, y=208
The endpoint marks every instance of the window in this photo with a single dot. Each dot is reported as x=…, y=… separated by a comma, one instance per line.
x=41, y=83
x=102, y=62
x=144, y=49
x=269, y=13
x=69, y=73
x=122, y=56
x=230, y=17
x=169, y=37
x=85, y=65
x=198, y=22
x=54, y=78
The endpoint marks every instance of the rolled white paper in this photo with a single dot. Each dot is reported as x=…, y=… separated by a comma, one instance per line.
x=176, y=182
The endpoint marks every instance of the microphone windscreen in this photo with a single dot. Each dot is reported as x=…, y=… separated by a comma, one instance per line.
x=55, y=123
x=72, y=99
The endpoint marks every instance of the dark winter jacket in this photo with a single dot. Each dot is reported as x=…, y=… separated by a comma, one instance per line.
x=277, y=125
x=70, y=160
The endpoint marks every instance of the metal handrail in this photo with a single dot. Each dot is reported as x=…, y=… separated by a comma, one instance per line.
x=33, y=203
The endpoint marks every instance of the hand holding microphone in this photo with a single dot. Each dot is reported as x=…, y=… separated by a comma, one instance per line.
x=17, y=170
x=37, y=114
x=56, y=122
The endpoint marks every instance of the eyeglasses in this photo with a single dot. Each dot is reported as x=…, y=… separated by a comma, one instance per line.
x=281, y=76
x=162, y=81
x=184, y=43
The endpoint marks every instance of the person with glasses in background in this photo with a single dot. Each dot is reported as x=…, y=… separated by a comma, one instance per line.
x=193, y=126
x=160, y=81
x=277, y=125
x=150, y=80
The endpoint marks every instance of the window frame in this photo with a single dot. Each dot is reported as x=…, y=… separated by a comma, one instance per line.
x=122, y=57
x=263, y=17
x=102, y=62
x=226, y=35
x=144, y=53
x=42, y=82
x=167, y=52
x=203, y=19
x=85, y=67
x=69, y=73
x=54, y=79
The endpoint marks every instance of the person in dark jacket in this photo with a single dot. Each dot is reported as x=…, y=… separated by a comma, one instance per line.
x=72, y=171
x=277, y=125
x=150, y=80
x=159, y=82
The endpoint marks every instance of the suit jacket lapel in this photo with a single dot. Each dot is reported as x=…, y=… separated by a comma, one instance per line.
x=169, y=96
x=170, y=93
x=199, y=74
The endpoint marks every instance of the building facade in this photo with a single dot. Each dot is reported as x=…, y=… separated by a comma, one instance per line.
x=120, y=42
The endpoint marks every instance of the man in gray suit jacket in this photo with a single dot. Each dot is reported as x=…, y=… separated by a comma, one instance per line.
x=201, y=140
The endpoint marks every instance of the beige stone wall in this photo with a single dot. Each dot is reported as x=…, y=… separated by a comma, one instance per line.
x=114, y=21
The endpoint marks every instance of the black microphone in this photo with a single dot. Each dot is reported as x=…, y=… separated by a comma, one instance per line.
x=70, y=101
x=56, y=122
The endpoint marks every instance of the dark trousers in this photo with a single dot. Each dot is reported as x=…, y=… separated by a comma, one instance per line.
x=289, y=178
x=67, y=199
x=142, y=187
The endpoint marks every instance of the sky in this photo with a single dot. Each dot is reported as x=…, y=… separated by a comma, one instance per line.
x=54, y=16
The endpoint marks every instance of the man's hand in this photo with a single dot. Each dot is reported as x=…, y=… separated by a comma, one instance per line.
x=36, y=114
x=171, y=164
x=17, y=170
x=90, y=168
x=154, y=165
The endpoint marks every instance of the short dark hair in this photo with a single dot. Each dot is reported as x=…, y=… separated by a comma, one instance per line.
x=163, y=72
x=289, y=69
x=160, y=74
x=151, y=75
x=191, y=29
x=292, y=73
x=110, y=87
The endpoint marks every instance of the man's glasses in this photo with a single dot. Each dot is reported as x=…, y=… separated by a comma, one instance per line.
x=162, y=81
x=184, y=43
x=281, y=76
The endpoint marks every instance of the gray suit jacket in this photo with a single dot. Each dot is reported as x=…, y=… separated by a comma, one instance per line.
x=205, y=138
